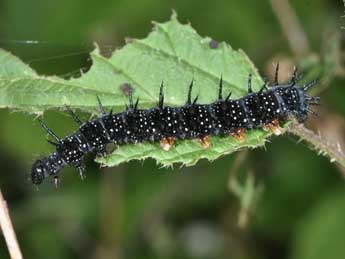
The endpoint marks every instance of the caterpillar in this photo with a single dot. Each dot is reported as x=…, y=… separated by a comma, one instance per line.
x=266, y=109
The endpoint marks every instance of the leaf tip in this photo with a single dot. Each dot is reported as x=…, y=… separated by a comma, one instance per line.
x=97, y=50
x=128, y=40
x=173, y=15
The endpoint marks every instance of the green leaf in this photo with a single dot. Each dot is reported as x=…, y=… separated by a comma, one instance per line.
x=173, y=53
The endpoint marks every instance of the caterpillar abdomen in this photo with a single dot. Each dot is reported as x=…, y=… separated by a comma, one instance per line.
x=264, y=109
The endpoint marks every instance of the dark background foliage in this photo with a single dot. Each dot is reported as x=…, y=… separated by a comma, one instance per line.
x=138, y=210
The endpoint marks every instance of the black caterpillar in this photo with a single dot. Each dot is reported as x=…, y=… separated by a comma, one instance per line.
x=266, y=109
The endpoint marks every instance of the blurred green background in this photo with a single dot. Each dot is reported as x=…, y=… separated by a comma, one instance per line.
x=296, y=207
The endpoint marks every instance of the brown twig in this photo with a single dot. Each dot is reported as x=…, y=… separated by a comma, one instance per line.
x=8, y=231
x=326, y=148
x=291, y=27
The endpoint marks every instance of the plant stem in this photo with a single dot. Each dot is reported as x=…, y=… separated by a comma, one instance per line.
x=8, y=231
x=291, y=27
x=326, y=148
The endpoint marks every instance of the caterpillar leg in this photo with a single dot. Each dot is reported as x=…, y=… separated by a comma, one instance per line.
x=167, y=142
x=102, y=151
x=81, y=170
x=274, y=127
x=238, y=134
x=205, y=141
x=56, y=181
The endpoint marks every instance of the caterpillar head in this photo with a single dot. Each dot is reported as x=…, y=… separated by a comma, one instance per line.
x=306, y=101
x=298, y=102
